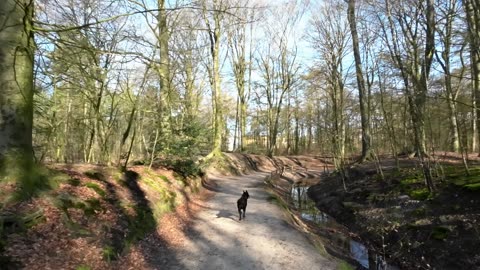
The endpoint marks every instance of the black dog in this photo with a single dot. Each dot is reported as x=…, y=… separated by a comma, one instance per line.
x=242, y=204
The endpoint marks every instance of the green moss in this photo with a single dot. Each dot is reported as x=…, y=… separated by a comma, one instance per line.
x=457, y=175
x=195, y=188
x=109, y=254
x=344, y=266
x=440, y=232
x=56, y=178
x=164, y=178
x=419, y=212
x=473, y=187
x=451, y=170
x=66, y=201
x=79, y=231
x=96, y=188
x=30, y=179
x=140, y=224
x=272, y=199
x=166, y=204
x=92, y=174
x=412, y=179
x=161, y=209
x=82, y=267
x=275, y=199
x=117, y=176
x=74, y=182
x=419, y=194
x=353, y=205
x=221, y=163
x=155, y=185
x=465, y=179
x=91, y=207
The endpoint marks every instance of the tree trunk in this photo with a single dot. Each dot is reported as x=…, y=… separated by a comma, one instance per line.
x=16, y=80
x=416, y=69
x=214, y=34
x=473, y=23
x=126, y=134
x=362, y=93
x=163, y=68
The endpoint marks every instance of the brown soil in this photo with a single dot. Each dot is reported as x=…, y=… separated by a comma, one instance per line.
x=435, y=231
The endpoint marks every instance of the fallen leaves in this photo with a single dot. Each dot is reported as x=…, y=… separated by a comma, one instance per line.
x=68, y=239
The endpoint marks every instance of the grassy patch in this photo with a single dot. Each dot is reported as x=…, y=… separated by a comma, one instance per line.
x=154, y=175
x=164, y=178
x=82, y=267
x=96, y=188
x=167, y=205
x=220, y=162
x=117, y=175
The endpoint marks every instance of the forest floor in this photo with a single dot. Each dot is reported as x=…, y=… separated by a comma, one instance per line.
x=399, y=218
x=95, y=217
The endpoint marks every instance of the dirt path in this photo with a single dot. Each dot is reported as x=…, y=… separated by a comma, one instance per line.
x=264, y=240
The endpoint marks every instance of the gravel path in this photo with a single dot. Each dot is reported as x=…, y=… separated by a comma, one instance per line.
x=264, y=240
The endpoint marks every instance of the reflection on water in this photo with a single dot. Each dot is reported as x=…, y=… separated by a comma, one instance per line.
x=359, y=253
x=307, y=207
x=352, y=249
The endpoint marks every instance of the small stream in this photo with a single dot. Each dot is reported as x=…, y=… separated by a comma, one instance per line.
x=337, y=241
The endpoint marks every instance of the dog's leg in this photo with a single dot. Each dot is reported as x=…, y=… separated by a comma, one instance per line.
x=244, y=210
x=240, y=213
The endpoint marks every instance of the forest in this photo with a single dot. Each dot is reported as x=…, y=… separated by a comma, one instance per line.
x=118, y=83
x=112, y=81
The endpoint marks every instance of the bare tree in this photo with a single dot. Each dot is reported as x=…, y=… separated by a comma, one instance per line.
x=472, y=10
x=240, y=54
x=362, y=92
x=448, y=11
x=213, y=16
x=411, y=43
x=330, y=39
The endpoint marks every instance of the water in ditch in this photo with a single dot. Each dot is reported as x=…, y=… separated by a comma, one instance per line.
x=338, y=241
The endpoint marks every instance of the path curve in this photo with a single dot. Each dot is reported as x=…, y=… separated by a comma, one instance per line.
x=264, y=240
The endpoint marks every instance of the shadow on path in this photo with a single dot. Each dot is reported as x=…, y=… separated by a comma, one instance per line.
x=264, y=240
